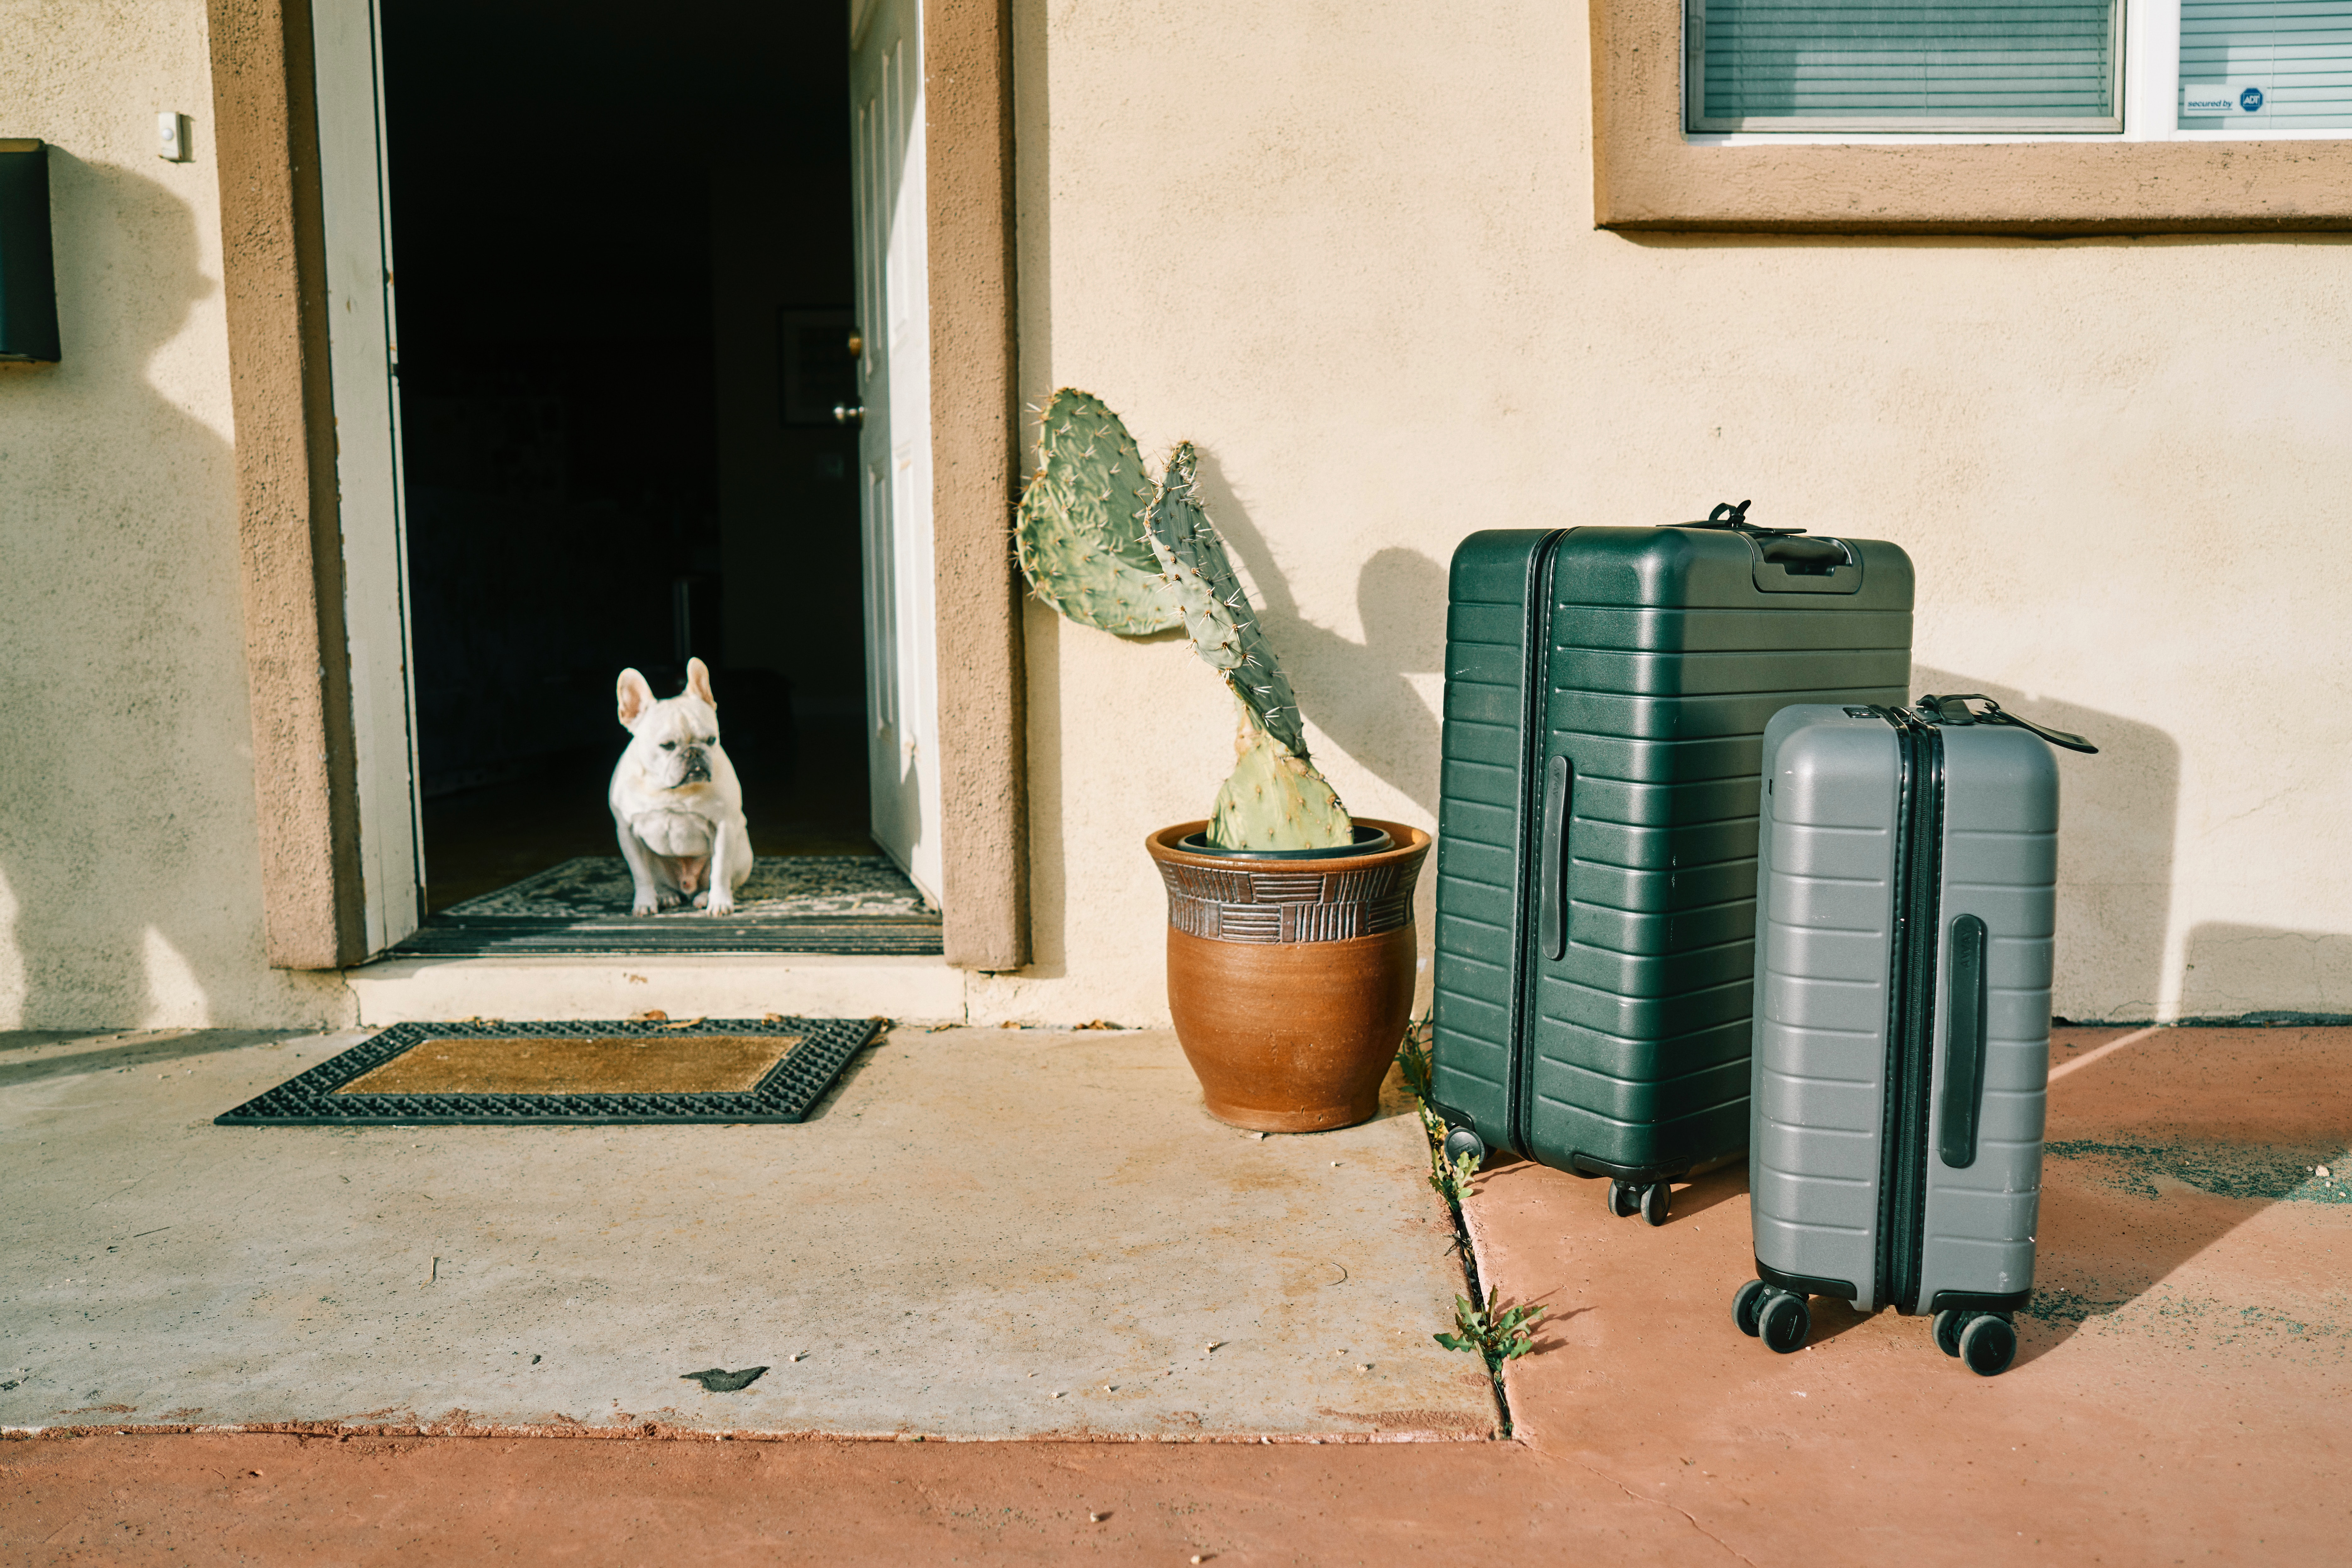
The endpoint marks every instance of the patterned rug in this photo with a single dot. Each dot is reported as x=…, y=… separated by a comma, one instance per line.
x=640, y=1070
x=793, y=903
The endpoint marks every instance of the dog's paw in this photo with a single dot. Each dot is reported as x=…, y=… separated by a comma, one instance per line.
x=702, y=899
x=720, y=906
x=671, y=900
x=643, y=907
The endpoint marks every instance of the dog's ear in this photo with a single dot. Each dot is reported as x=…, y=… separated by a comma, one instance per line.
x=636, y=695
x=697, y=681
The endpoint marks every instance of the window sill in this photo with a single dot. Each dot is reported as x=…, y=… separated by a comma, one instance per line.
x=1648, y=175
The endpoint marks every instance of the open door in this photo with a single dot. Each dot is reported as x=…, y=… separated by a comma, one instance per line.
x=363, y=361
x=886, y=84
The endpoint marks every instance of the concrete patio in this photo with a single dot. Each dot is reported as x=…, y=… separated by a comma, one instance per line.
x=977, y=1234
x=2179, y=1394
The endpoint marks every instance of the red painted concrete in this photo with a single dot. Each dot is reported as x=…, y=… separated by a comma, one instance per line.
x=2189, y=1408
x=139, y=1500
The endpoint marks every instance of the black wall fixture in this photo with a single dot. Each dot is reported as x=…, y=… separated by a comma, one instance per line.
x=28, y=279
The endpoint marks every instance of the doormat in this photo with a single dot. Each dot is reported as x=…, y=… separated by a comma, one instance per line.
x=701, y=1070
x=793, y=903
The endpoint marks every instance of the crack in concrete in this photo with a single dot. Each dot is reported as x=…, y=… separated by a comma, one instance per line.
x=1674, y=1508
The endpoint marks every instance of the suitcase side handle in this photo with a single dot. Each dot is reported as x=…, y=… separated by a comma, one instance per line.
x=1551, y=862
x=1964, y=1043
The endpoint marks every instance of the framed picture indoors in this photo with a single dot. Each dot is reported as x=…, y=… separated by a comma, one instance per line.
x=816, y=368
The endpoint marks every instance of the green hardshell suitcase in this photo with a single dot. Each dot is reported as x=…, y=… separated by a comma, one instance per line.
x=1606, y=694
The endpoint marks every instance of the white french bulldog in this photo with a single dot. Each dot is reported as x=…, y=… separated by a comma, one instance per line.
x=676, y=808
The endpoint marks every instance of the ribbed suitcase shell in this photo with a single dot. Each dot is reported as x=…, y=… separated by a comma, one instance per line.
x=1828, y=902
x=1650, y=660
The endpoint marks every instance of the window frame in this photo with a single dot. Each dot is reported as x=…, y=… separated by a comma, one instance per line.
x=1649, y=174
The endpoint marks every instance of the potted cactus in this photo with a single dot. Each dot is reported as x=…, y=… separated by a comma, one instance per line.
x=1290, y=937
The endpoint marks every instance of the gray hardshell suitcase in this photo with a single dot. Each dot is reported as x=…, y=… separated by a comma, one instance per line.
x=1906, y=876
x=1606, y=695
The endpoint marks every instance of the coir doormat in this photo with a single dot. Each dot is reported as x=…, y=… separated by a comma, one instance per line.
x=702, y=1069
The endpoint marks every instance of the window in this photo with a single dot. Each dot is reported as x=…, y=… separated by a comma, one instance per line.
x=1897, y=132
x=2265, y=66
x=1978, y=67
x=1862, y=65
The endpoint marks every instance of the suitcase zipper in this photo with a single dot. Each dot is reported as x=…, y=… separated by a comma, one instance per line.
x=1533, y=745
x=1911, y=1008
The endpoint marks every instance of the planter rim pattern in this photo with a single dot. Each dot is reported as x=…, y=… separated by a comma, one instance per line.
x=1227, y=898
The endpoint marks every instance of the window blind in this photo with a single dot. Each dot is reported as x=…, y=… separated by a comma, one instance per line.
x=1986, y=64
x=2294, y=55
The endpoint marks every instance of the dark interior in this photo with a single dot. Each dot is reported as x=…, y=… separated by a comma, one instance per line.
x=624, y=277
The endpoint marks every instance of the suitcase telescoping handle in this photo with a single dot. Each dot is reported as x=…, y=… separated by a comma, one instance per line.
x=1954, y=710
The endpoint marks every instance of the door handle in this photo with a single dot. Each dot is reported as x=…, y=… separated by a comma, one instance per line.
x=846, y=415
x=1551, y=861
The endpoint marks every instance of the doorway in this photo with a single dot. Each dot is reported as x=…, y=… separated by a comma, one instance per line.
x=626, y=291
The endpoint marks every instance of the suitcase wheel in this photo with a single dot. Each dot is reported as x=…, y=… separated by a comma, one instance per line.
x=1748, y=1303
x=1988, y=1344
x=1948, y=1330
x=1648, y=1199
x=1463, y=1141
x=1785, y=1323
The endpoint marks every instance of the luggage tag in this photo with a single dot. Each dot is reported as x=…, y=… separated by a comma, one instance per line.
x=1953, y=710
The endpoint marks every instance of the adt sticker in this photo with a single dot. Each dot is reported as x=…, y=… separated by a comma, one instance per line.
x=2221, y=99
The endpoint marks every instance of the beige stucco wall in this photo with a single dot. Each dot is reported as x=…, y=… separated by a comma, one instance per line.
x=129, y=882
x=1348, y=249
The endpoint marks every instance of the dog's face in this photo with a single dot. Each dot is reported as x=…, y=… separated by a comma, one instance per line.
x=672, y=741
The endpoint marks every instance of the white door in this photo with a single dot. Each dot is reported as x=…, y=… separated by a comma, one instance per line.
x=363, y=370
x=885, y=98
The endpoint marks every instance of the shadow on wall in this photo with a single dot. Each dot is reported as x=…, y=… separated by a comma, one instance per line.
x=2234, y=970
x=2117, y=815
x=1049, y=885
x=1357, y=693
x=127, y=841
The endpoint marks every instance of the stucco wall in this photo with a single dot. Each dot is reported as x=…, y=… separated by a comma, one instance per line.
x=1348, y=249
x=129, y=882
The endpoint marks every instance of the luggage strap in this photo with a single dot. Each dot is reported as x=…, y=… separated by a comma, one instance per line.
x=1727, y=515
x=1954, y=710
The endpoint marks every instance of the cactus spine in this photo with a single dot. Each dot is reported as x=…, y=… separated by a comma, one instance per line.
x=1079, y=530
x=1274, y=799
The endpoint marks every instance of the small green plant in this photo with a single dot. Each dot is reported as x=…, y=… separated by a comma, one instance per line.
x=1449, y=1178
x=1412, y=1061
x=1494, y=1332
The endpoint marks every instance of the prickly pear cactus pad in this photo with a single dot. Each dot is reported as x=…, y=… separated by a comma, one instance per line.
x=1274, y=800
x=1079, y=531
x=1217, y=611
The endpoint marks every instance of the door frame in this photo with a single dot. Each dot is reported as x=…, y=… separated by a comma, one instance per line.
x=312, y=549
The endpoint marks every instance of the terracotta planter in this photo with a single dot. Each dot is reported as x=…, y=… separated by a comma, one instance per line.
x=1291, y=981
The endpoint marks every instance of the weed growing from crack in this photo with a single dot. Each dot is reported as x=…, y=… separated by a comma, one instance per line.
x=1449, y=1178
x=1494, y=1332
x=1412, y=1061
